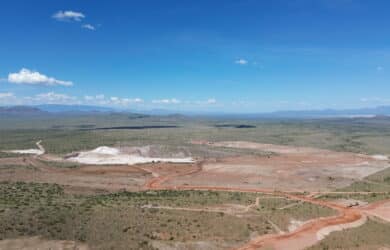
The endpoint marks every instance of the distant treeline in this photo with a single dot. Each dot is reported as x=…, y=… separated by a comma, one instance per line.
x=136, y=127
x=234, y=126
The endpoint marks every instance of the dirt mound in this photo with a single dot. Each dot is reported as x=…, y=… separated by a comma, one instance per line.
x=129, y=156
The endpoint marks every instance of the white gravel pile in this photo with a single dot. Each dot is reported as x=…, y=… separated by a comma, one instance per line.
x=380, y=157
x=26, y=151
x=108, y=155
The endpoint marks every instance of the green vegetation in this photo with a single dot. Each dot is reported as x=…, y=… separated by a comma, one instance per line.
x=361, y=197
x=136, y=219
x=378, y=182
x=372, y=235
x=71, y=133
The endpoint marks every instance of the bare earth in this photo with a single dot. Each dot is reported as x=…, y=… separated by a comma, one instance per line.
x=291, y=169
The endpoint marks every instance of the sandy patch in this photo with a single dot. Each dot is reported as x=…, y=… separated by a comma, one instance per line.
x=380, y=157
x=35, y=243
x=321, y=234
x=33, y=151
x=294, y=225
x=380, y=209
x=350, y=202
x=291, y=168
x=108, y=155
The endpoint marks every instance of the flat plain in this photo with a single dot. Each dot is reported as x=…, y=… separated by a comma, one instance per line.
x=202, y=183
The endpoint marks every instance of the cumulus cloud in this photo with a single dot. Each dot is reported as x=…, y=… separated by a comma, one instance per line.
x=88, y=98
x=375, y=100
x=124, y=101
x=68, y=15
x=6, y=95
x=7, y=98
x=167, y=101
x=88, y=26
x=241, y=61
x=26, y=76
x=211, y=101
x=96, y=99
x=111, y=101
x=99, y=97
x=52, y=97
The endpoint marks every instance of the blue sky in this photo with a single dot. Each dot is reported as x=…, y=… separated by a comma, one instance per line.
x=222, y=55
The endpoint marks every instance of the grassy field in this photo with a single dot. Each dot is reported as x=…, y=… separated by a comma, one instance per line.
x=146, y=220
x=138, y=220
x=372, y=235
x=378, y=182
x=71, y=133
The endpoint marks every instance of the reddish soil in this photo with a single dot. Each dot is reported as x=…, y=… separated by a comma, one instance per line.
x=302, y=237
x=291, y=170
x=379, y=209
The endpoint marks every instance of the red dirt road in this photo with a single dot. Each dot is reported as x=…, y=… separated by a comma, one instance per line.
x=303, y=237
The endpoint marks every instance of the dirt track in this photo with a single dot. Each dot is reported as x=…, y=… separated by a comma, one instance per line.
x=288, y=169
x=169, y=176
x=304, y=236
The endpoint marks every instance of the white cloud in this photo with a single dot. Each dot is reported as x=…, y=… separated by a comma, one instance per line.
x=54, y=97
x=116, y=101
x=99, y=97
x=68, y=15
x=49, y=98
x=89, y=98
x=167, y=101
x=8, y=98
x=241, y=61
x=211, y=101
x=375, y=100
x=379, y=68
x=96, y=97
x=26, y=76
x=88, y=26
x=6, y=95
x=124, y=101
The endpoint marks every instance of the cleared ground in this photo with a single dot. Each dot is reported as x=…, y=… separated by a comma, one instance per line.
x=289, y=168
x=253, y=185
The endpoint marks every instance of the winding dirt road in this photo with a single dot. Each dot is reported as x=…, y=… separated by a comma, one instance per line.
x=307, y=235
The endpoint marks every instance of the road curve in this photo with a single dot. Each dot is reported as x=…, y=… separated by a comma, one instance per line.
x=303, y=237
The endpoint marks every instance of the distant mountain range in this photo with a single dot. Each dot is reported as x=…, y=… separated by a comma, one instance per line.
x=361, y=112
x=21, y=110
x=48, y=109
x=57, y=108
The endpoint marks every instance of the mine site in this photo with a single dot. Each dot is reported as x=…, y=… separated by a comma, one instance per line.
x=194, y=125
x=188, y=189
